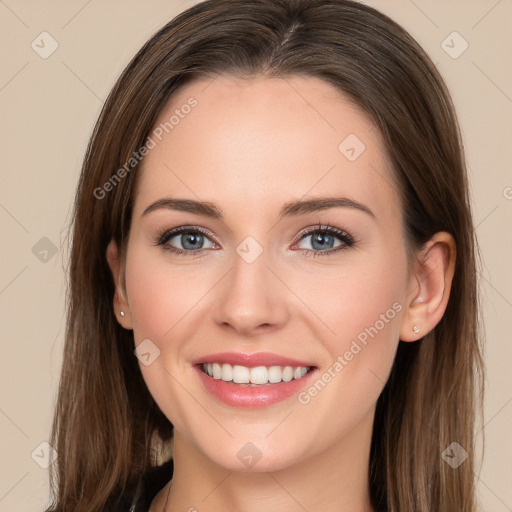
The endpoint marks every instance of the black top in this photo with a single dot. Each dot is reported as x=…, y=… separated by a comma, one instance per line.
x=139, y=499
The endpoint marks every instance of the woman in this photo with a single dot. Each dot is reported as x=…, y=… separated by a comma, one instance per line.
x=245, y=139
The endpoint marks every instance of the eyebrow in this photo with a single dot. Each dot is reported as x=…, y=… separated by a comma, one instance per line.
x=292, y=208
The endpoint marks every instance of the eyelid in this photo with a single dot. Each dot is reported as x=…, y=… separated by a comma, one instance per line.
x=183, y=229
x=321, y=227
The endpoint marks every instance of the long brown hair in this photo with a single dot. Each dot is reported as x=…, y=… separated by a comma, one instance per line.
x=105, y=416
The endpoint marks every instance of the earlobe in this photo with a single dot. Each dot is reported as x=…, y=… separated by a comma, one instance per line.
x=121, y=306
x=429, y=293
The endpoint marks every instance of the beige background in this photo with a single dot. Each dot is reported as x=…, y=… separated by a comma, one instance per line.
x=48, y=107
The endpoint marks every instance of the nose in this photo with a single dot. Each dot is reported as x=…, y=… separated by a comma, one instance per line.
x=251, y=299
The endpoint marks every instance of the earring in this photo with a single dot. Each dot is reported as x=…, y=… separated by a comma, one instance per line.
x=416, y=329
x=121, y=313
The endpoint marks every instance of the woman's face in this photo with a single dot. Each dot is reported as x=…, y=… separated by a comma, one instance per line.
x=257, y=287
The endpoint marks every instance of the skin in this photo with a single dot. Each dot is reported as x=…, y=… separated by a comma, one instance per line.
x=250, y=146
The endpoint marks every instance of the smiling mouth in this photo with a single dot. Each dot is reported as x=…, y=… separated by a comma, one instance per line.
x=254, y=376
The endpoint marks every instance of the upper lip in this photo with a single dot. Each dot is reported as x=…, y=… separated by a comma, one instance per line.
x=251, y=360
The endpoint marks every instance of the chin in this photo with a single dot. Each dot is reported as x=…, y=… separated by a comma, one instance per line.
x=253, y=456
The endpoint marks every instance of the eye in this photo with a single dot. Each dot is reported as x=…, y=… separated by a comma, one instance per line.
x=189, y=240
x=323, y=240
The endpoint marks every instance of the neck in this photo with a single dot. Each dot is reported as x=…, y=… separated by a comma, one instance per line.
x=335, y=479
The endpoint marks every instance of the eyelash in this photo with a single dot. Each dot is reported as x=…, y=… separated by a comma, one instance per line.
x=347, y=239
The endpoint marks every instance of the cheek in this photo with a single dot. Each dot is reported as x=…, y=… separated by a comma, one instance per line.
x=167, y=304
x=162, y=302
x=360, y=312
x=365, y=291
x=161, y=295
x=360, y=307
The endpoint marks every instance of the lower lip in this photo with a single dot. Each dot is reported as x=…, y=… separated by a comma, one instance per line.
x=252, y=397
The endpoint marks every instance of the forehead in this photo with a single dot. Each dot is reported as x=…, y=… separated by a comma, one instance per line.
x=250, y=143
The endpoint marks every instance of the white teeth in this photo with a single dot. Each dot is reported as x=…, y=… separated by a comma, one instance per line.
x=217, y=371
x=256, y=375
x=274, y=374
x=227, y=372
x=259, y=375
x=288, y=373
x=241, y=374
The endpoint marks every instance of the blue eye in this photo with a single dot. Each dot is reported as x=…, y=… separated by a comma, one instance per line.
x=323, y=238
x=192, y=239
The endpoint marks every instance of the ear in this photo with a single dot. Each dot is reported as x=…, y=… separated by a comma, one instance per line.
x=429, y=287
x=120, y=300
